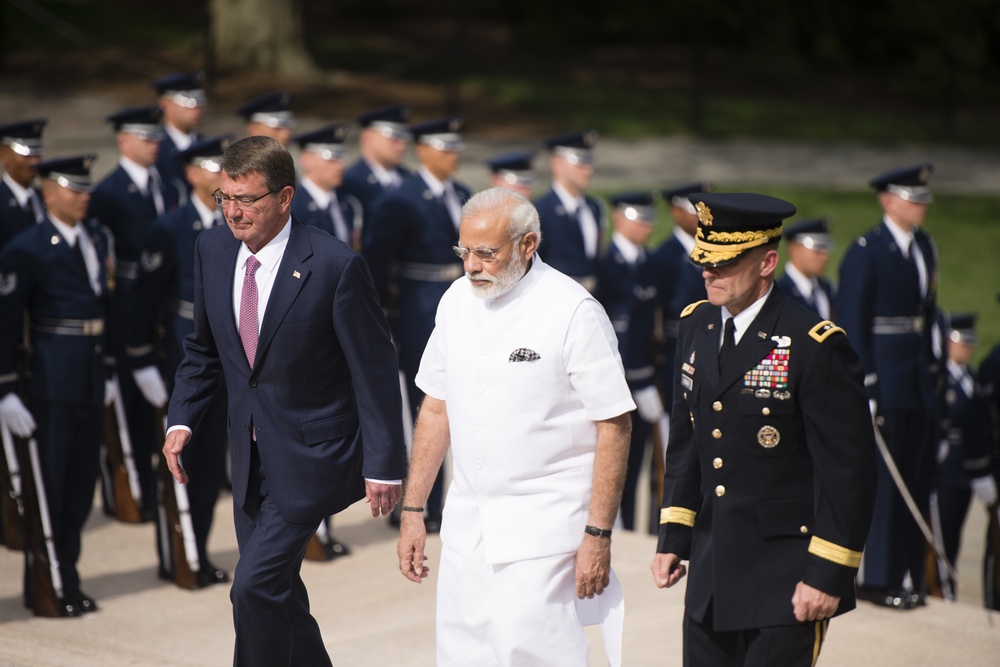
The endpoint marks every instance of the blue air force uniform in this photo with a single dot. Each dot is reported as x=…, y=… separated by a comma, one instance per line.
x=886, y=304
x=164, y=294
x=572, y=232
x=627, y=288
x=359, y=179
x=20, y=207
x=187, y=90
x=337, y=212
x=817, y=294
x=62, y=287
x=770, y=472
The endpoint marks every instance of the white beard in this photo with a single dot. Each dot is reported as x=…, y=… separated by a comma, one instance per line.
x=501, y=283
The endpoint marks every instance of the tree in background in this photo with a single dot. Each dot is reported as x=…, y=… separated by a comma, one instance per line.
x=260, y=34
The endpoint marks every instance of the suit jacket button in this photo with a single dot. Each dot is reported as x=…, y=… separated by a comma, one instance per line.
x=717, y=406
x=253, y=383
x=717, y=434
x=720, y=490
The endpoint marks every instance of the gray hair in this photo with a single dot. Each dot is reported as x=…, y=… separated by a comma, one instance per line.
x=260, y=155
x=521, y=215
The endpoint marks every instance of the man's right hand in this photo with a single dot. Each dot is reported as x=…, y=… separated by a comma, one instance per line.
x=410, y=548
x=667, y=570
x=172, y=449
x=15, y=416
x=151, y=384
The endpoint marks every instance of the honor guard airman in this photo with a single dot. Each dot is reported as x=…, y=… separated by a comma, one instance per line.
x=886, y=304
x=269, y=116
x=163, y=295
x=126, y=202
x=182, y=102
x=513, y=171
x=809, y=246
x=378, y=170
x=627, y=282
x=682, y=282
x=770, y=471
x=573, y=223
x=319, y=200
x=58, y=274
x=965, y=467
x=410, y=245
x=21, y=204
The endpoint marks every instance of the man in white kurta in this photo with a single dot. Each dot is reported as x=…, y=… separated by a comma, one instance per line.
x=524, y=383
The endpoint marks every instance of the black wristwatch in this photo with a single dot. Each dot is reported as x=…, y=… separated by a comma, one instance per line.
x=597, y=532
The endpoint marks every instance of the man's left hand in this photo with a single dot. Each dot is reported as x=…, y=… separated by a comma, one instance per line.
x=382, y=497
x=593, y=566
x=812, y=604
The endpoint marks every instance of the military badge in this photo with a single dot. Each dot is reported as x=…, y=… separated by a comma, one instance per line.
x=771, y=372
x=782, y=395
x=151, y=261
x=762, y=393
x=782, y=341
x=704, y=214
x=8, y=283
x=687, y=382
x=768, y=437
x=687, y=368
x=54, y=240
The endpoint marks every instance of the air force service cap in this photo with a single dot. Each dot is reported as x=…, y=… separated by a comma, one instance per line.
x=910, y=183
x=575, y=147
x=143, y=122
x=72, y=173
x=273, y=110
x=730, y=224
x=388, y=121
x=186, y=89
x=513, y=168
x=326, y=142
x=206, y=154
x=678, y=195
x=813, y=234
x=635, y=206
x=24, y=137
x=440, y=134
x=962, y=328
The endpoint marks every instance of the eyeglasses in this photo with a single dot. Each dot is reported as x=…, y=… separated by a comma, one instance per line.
x=242, y=203
x=485, y=255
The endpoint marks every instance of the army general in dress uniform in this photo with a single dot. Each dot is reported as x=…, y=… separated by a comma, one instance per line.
x=770, y=472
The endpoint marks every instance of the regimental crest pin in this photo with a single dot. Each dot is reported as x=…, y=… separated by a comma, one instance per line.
x=768, y=437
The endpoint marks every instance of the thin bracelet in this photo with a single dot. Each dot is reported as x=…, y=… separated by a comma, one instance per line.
x=410, y=508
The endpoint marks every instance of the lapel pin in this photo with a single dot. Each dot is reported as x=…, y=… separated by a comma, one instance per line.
x=296, y=274
x=761, y=335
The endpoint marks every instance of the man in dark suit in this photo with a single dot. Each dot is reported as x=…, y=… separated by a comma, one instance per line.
x=627, y=283
x=886, y=304
x=378, y=170
x=127, y=201
x=319, y=199
x=770, y=472
x=21, y=203
x=409, y=247
x=288, y=315
x=182, y=102
x=164, y=295
x=809, y=246
x=57, y=274
x=573, y=223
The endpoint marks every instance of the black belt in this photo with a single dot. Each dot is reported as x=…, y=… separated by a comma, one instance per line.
x=68, y=327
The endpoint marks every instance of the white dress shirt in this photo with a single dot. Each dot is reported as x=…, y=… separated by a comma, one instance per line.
x=907, y=244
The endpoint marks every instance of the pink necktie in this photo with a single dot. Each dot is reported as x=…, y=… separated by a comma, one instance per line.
x=248, y=310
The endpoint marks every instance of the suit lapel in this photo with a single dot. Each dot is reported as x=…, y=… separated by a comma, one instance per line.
x=755, y=343
x=291, y=276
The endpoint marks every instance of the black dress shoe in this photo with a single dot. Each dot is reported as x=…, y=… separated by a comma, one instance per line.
x=65, y=609
x=209, y=575
x=82, y=601
x=336, y=549
x=892, y=598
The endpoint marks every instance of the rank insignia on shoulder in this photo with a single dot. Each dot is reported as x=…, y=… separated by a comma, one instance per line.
x=824, y=330
x=8, y=283
x=688, y=309
x=151, y=261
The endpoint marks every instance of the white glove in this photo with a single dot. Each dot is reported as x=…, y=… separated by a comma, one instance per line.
x=110, y=392
x=985, y=488
x=151, y=385
x=873, y=407
x=942, y=453
x=648, y=402
x=15, y=416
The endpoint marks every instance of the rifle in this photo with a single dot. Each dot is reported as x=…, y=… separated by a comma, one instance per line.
x=991, y=562
x=177, y=543
x=661, y=434
x=123, y=476
x=10, y=488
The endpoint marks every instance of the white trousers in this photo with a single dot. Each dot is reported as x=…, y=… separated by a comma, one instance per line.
x=521, y=614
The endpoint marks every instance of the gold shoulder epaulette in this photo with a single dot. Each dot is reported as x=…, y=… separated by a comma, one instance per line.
x=688, y=309
x=824, y=330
